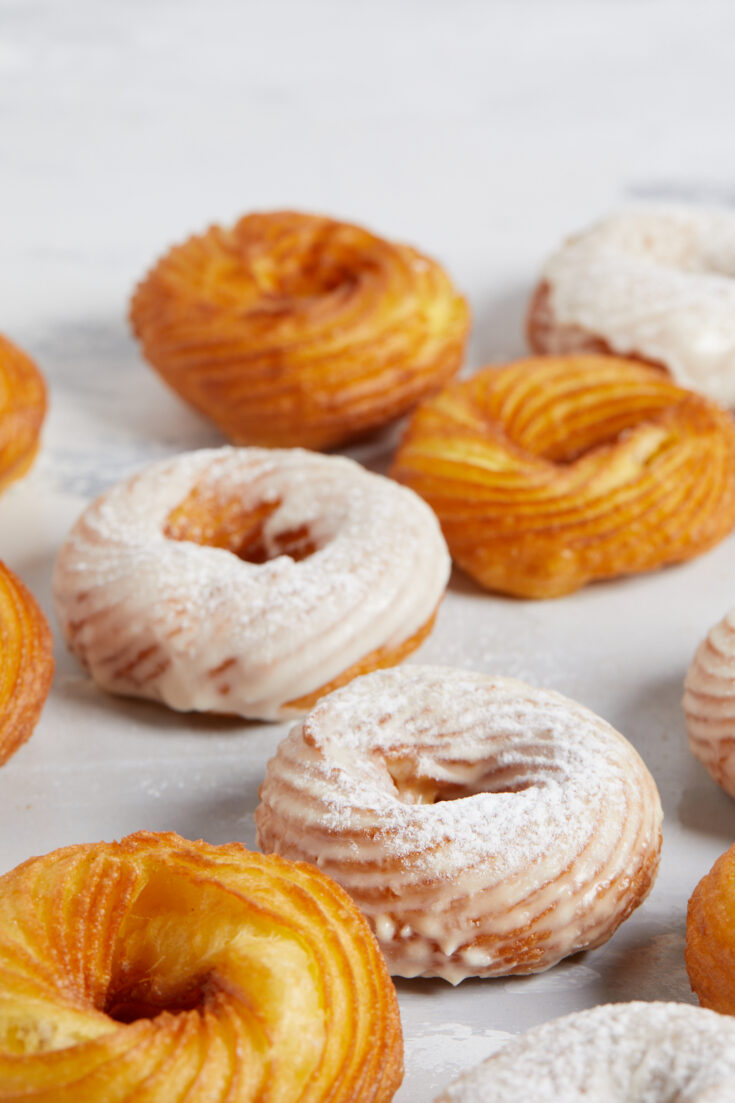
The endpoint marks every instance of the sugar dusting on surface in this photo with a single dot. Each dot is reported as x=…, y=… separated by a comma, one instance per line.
x=617, y=1053
x=660, y=282
x=461, y=809
x=199, y=628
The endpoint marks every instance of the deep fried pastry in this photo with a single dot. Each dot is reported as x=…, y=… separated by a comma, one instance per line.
x=26, y=663
x=710, y=951
x=248, y=581
x=709, y=703
x=159, y=969
x=654, y=282
x=483, y=826
x=22, y=410
x=554, y=471
x=616, y=1053
x=292, y=329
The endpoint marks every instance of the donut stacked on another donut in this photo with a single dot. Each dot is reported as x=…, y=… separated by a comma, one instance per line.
x=551, y=472
x=22, y=410
x=163, y=970
x=248, y=581
x=655, y=282
x=709, y=703
x=293, y=329
x=484, y=827
x=615, y=1053
x=26, y=663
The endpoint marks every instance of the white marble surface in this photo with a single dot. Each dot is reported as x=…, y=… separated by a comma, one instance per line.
x=481, y=132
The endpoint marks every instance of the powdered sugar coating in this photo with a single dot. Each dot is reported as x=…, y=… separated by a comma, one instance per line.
x=616, y=1053
x=709, y=702
x=554, y=840
x=657, y=282
x=199, y=628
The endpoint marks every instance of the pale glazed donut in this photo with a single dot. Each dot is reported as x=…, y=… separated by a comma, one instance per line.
x=334, y=571
x=554, y=842
x=616, y=1053
x=709, y=703
x=654, y=282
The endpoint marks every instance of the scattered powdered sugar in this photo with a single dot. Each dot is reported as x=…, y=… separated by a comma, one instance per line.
x=453, y=805
x=616, y=1053
x=277, y=630
x=657, y=281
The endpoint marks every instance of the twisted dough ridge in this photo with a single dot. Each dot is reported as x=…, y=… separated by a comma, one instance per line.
x=709, y=702
x=293, y=329
x=22, y=410
x=710, y=950
x=162, y=970
x=551, y=472
x=26, y=663
x=483, y=826
x=615, y=1053
x=247, y=581
x=655, y=282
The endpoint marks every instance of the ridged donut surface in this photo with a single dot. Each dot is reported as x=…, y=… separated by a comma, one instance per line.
x=294, y=329
x=22, y=410
x=165, y=971
x=26, y=663
x=710, y=948
x=244, y=580
x=483, y=826
x=552, y=472
x=709, y=702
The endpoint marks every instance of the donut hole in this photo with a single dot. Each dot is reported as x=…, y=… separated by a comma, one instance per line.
x=321, y=257
x=239, y=528
x=140, y=1002
x=414, y=787
x=171, y=943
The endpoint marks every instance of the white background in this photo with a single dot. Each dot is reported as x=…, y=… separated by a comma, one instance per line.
x=482, y=133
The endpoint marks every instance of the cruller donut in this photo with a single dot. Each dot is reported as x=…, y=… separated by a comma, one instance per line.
x=26, y=663
x=710, y=950
x=551, y=472
x=657, y=282
x=483, y=826
x=294, y=329
x=248, y=581
x=170, y=971
x=616, y=1053
x=22, y=410
x=709, y=702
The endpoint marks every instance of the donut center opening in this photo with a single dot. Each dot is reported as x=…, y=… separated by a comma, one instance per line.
x=140, y=1002
x=413, y=787
x=238, y=528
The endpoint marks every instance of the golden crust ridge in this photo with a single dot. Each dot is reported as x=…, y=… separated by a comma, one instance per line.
x=294, y=329
x=551, y=472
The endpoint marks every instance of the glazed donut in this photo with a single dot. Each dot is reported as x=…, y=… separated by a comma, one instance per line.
x=552, y=472
x=483, y=827
x=248, y=581
x=616, y=1053
x=26, y=663
x=22, y=410
x=709, y=703
x=292, y=329
x=656, y=283
x=710, y=950
x=162, y=970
